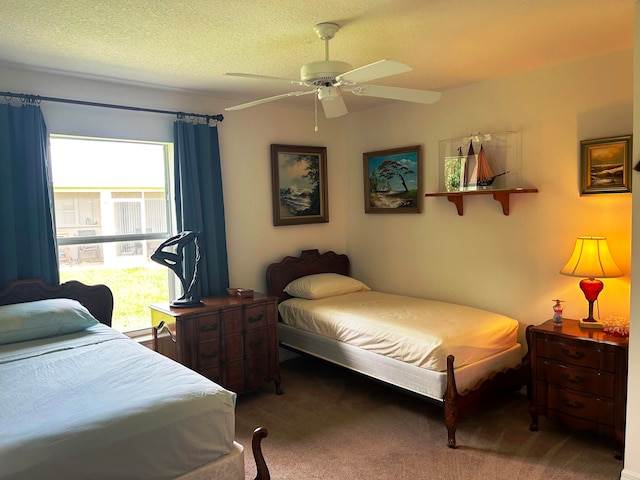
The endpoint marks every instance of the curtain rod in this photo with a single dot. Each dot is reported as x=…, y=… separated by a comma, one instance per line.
x=36, y=99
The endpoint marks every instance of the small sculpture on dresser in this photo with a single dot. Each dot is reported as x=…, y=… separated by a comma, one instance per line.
x=557, y=312
x=174, y=260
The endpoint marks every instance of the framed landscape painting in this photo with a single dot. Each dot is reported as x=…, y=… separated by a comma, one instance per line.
x=299, y=180
x=392, y=180
x=605, y=165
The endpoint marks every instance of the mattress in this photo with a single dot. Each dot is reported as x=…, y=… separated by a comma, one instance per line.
x=416, y=331
x=96, y=404
x=395, y=372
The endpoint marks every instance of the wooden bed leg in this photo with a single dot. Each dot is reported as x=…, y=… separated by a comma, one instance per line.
x=261, y=465
x=450, y=404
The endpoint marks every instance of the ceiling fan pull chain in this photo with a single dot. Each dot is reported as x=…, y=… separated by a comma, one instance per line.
x=315, y=110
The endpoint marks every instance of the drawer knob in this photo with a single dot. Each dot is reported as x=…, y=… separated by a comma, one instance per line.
x=575, y=356
x=208, y=328
x=208, y=355
x=255, y=319
x=577, y=380
x=575, y=405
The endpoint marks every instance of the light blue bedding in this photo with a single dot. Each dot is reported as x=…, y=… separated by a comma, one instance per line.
x=97, y=405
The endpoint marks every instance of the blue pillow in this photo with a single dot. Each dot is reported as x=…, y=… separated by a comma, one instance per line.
x=22, y=322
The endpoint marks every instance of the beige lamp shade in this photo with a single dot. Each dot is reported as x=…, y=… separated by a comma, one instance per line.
x=591, y=258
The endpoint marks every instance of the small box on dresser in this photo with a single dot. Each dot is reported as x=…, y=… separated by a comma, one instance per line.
x=230, y=340
x=579, y=378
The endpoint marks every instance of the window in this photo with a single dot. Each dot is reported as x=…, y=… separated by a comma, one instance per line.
x=112, y=210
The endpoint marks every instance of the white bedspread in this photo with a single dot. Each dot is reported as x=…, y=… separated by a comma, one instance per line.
x=417, y=331
x=97, y=405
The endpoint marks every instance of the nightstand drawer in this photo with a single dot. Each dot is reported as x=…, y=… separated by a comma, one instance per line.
x=256, y=317
x=581, y=354
x=257, y=368
x=233, y=347
x=208, y=327
x=213, y=374
x=257, y=341
x=576, y=378
x=586, y=407
x=208, y=354
x=232, y=321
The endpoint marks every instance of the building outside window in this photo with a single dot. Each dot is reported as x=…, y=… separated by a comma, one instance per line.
x=112, y=210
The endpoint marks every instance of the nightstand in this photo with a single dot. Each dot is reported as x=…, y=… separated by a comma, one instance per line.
x=230, y=340
x=579, y=378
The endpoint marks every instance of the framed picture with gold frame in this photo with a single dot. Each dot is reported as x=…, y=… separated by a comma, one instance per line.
x=605, y=165
x=392, y=180
x=299, y=180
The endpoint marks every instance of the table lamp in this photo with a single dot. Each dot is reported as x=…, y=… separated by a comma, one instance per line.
x=591, y=259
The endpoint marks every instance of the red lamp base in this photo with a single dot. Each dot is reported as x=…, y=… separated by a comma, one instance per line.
x=591, y=287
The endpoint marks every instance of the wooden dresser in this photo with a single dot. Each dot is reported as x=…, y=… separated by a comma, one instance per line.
x=231, y=340
x=579, y=377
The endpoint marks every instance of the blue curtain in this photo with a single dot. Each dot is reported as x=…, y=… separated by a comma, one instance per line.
x=27, y=233
x=199, y=203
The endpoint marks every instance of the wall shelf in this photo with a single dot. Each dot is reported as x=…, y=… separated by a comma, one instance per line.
x=502, y=196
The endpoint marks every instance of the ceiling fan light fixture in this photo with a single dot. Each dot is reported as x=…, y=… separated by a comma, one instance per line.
x=327, y=93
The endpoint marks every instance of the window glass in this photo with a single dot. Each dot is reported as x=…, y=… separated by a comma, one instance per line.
x=112, y=212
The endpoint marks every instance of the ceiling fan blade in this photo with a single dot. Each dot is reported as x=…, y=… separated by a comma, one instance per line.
x=379, y=69
x=265, y=77
x=396, y=93
x=269, y=99
x=334, y=107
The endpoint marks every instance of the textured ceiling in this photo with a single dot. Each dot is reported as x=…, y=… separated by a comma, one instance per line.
x=189, y=44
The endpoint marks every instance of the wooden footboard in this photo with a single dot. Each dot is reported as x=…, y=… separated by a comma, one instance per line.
x=461, y=404
x=256, y=445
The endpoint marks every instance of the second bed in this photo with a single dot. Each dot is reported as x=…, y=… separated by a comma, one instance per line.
x=457, y=355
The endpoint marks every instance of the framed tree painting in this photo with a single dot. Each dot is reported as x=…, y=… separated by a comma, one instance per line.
x=605, y=165
x=299, y=180
x=392, y=180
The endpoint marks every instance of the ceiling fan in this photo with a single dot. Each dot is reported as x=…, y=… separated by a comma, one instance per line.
x=330, y=77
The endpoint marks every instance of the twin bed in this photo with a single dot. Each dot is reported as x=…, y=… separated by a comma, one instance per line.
x=457, y=355
x=80, y=400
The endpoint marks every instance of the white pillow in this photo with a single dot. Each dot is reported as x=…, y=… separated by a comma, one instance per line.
x=322, y=285
x=21, y=322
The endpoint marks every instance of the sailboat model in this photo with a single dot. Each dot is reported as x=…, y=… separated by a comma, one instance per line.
x=485, y=174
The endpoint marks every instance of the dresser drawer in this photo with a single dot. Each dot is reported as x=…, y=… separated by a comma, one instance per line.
x=576, y=378
x=256, y=317
x=208, y=354
x=575, y=404
x=257, y=371
x=234, y=347
x=207, y=327
x=232, y=321
x=234, y=378
x=256, y=342
x=213, y=373
x=576, y=353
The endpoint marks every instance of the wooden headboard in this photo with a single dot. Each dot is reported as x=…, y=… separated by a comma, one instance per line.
x=309, y=262
x=98, y=299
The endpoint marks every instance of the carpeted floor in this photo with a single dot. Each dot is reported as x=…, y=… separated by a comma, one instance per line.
x=333, y=424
